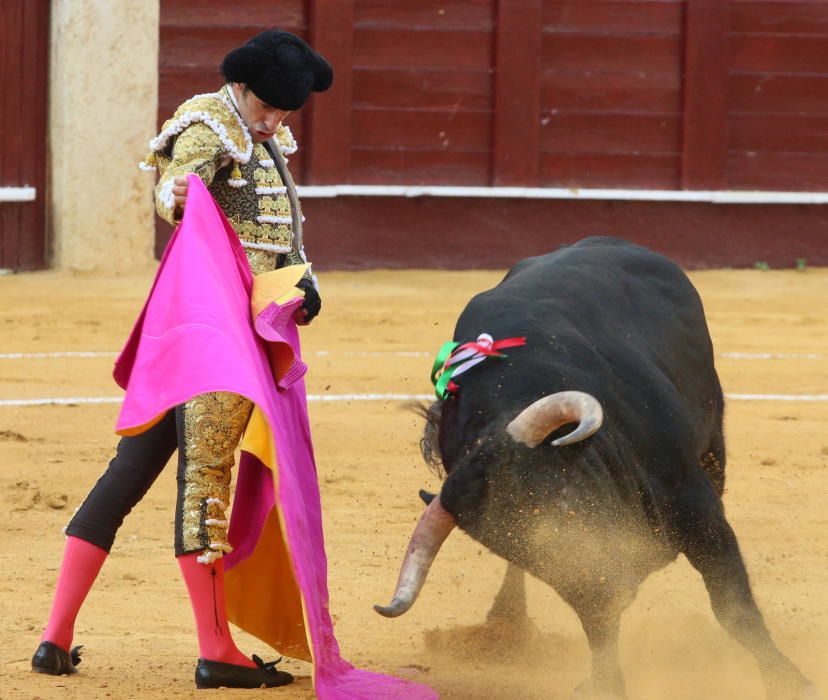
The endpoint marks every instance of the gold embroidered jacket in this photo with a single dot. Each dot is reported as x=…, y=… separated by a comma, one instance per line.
x=251, y=184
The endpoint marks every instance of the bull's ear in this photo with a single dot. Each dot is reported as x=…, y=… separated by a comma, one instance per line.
x=427, y=496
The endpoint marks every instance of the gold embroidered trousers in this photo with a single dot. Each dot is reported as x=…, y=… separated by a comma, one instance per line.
x=206, y=431
x=212, y=427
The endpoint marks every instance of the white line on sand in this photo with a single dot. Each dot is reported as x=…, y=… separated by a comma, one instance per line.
x=49, y=355
x=72, y=401
x=777, y=397
x=400, y=353
x=77, y=400
x=770, y=356
x=317, y=353
x=62, y=401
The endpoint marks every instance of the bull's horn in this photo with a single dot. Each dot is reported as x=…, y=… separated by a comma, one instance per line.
x=534, y=423
x=435, y=525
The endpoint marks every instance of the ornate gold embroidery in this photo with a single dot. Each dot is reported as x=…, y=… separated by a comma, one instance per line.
x=262, y=260
x=267, y=205
x=212, y=107
x=197, y=150
x=284, y=139
x=274, y=234
x=213, y=425
x=261, y=219
x=294, y=257
x=274, y=207
x=243, y=206
x=267, y=177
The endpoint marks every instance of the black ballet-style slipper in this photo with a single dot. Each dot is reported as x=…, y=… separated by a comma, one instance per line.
x=216, y=674
x=51, y=659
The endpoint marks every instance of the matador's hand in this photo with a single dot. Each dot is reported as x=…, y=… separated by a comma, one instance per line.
x=312, y=304
x=179, y=191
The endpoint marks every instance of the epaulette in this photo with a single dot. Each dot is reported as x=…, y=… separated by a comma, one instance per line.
x=217, y=112
x=284, y=139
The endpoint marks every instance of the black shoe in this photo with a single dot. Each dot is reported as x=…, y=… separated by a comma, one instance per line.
x=216, y=674
x=50, y=658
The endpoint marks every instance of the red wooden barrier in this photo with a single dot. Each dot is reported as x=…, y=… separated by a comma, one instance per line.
x=611, y=93
x=706, y=55
x=329, y=160
x=24, y=42
x=517, y=93
x=649, y=94
x=471, y=233
x=778, y=95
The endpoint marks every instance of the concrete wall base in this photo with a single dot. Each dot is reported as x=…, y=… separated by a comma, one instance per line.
x=103, y=103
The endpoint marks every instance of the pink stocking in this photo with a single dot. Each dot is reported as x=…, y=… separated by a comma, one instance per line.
x=80, y=566
x=205, y=584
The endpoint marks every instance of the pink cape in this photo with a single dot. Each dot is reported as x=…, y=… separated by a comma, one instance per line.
x=196, y=335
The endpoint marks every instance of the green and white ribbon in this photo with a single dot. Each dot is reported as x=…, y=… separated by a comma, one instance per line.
x=453, y=359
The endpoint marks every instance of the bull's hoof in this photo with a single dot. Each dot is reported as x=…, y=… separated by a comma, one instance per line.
x=590, y=690
x=809, y=692
x=787, y=688
x=806, y=691
x=522, y=645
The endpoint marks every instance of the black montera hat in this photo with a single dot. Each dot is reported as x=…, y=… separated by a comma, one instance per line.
x=279, y=67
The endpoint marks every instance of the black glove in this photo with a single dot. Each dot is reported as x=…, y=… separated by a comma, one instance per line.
x=312, y=301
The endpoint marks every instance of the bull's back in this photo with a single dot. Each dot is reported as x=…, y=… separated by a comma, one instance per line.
x=603, y=316
x=620, y=284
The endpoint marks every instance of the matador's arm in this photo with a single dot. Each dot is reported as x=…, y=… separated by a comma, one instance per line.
x=197, y=149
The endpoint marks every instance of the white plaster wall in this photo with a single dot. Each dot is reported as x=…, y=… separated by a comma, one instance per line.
x=103, y=102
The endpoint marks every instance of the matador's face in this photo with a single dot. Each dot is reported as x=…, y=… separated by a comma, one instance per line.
x=261, y=119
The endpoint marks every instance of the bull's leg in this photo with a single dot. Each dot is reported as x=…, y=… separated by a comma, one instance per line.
x=710, y=545
x=510, y=602
x=713, y=459
x=713, y=464
x=601, y=626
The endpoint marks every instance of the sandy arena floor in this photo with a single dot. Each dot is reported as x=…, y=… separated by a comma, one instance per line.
x=137, y=625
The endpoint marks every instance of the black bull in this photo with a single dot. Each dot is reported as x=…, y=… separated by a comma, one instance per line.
x=593, y=512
